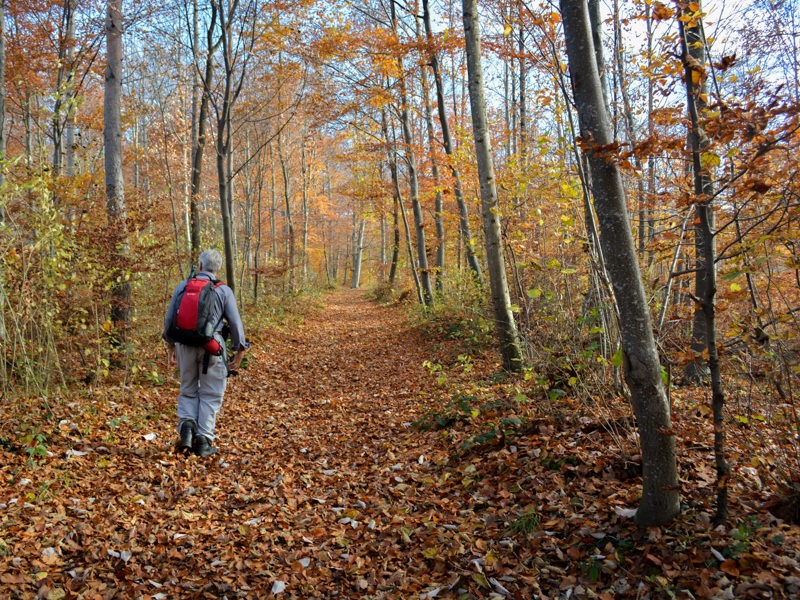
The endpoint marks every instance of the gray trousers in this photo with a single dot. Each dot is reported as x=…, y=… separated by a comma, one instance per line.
x=201, y=394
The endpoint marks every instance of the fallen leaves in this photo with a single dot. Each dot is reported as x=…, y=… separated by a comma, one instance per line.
x=325, y=487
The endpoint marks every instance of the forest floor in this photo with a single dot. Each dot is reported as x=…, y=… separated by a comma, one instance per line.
x=361, y=458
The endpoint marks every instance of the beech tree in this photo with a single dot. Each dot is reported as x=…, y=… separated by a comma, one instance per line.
x=505, y=324
x=660, y=499
x=449, y=148
x=115, y=189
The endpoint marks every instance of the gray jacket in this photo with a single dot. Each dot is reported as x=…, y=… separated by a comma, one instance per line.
x=226, y=310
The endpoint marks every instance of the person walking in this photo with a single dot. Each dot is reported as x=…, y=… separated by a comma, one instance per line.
x=203, y=374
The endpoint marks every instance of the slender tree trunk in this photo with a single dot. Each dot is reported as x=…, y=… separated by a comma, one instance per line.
x=69, y=92
x=358, y=247
x=3, y=333
x=438, y=216
x=411, y=161
x=287, y=195
x=2, y=105
x=259, y=228
x=694, y=59
x=304, y=181
x=660, y=500
x=198, y=145
x=694, y=48
x=396, y=231
x=398, y=203
x=63, y=84
x=273, y=209
x=619, y=52
x=115, y=189
x=498, y=282
x=223, y=144
x=523, y=76
x=458, y=190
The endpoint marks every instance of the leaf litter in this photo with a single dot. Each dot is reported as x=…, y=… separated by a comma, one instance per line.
x=348, y=469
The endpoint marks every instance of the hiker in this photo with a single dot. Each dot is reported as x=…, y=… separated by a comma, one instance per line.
x=204, y=373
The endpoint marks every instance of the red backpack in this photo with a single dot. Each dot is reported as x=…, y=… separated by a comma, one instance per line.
x=194, y=323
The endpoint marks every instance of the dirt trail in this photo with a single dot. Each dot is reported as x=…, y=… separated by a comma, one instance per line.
x=309, y=496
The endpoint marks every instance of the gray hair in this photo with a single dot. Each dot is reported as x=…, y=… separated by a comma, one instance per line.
x=210, y=260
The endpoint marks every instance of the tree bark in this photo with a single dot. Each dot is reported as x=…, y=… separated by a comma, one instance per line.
x=660, y=500
x=115, y=190
x=438, y=217
x=458, y=190
x=199, y=123
x=3, y=143
x=498, y=282
x=413, y=182
x=358, y=247
x=693, y=45
x=287, y=195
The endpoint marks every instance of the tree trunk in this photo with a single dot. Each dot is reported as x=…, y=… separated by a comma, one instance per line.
x=64, y=77
x=458, y=190
x=438, y=217
x=411, y=161
x=498, y=282
x=358, y=247
x=223, y=144
x=199, y=143
x=304, y=182
x=115, y=190
x=694, y=59
x=2, y=105
x=398, y=199
x=660, y=500
x=2, y=154
x=697, y=370
x=273, y=209
x=395, y=230
x=289, y=222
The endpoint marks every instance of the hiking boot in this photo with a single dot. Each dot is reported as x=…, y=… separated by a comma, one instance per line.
x=202, y=446
x=187, y=436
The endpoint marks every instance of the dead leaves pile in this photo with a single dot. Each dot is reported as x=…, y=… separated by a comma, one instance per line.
x=348, y=469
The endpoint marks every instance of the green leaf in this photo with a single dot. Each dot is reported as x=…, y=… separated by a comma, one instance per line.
x=534, y=293
x=616, y=360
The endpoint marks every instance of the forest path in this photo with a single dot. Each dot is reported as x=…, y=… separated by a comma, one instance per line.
x=319, y=489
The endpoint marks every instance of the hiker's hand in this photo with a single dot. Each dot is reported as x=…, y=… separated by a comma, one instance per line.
x=171, y=355
x=237, y=360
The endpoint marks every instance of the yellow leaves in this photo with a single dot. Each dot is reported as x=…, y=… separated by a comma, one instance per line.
x=735, y=287
x=12, y=255
x=507, y=30
x=709, y=159
x=108, y=326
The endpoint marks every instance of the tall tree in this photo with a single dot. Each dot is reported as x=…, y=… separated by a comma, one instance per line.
x=115, y=189
x=236, y=51
x=498, y=281
x=413, y=180
x=201, y=91
x=2, y=101
x=704, y=336
x=449, y=148
x=660, y=499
